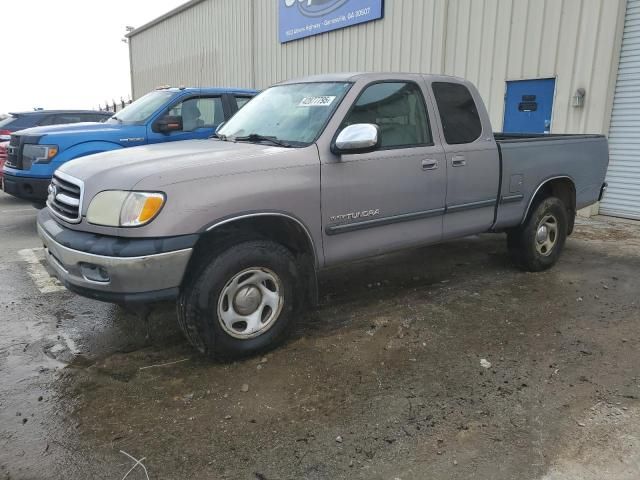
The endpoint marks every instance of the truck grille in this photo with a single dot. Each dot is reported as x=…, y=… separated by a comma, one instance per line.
x=16, y=145
x=14, y=152
x=65, y=197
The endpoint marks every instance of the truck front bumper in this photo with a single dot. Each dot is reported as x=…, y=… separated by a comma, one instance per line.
x=151, y=275
x=27, y=188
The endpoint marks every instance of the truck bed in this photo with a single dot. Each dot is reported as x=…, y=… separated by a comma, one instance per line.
x=528, y=161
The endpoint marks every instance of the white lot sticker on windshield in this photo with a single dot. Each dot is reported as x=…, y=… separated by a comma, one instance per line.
x=316, y=101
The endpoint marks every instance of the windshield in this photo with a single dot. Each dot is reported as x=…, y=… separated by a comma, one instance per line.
x=294, y=113
x=140, y=110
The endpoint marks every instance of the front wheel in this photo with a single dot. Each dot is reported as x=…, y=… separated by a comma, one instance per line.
x=241, y=301
x=537, y=244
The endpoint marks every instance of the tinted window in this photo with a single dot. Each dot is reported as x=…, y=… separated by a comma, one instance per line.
x=69, y=118
x=19, y=122
x=398, y=109
x=48, y=120
x=199, y=112
x=458, y=113
x=92, y=117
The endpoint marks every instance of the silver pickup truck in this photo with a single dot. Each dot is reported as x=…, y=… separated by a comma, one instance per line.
x=311, y=173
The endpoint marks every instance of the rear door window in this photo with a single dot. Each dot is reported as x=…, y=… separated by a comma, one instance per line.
x=458, y=113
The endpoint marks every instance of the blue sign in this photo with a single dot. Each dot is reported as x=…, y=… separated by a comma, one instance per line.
x=304, y=18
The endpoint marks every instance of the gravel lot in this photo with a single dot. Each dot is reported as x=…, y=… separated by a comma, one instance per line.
x=439, y=363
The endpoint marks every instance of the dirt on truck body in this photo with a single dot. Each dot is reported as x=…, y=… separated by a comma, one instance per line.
x=441, y=362
x=310, y=174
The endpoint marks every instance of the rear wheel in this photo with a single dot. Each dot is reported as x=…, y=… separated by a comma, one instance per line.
x=537, y=244
x=241, y=301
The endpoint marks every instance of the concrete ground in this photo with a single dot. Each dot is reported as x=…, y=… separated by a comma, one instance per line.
x=439, y=363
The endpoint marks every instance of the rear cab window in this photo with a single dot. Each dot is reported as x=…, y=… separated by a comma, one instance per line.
x=458, y=113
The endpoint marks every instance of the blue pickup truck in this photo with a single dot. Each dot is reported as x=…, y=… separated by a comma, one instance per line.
x=164, y=115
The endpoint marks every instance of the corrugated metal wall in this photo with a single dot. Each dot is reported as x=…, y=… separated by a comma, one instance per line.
x=492, y=41
x=623, y=197
x=208, y=44
x=235, y=42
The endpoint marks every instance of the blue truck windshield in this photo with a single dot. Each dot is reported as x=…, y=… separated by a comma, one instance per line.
x=143, y=108
x=293, y=113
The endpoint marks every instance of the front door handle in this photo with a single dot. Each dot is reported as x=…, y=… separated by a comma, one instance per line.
x=429, y=164
x=458, y=161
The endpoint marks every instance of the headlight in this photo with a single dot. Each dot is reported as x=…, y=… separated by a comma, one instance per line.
x=37, y=154
x=115, y=208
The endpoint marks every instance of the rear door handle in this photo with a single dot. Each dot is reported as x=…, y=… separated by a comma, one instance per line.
x=458, y=161
x=429, y=164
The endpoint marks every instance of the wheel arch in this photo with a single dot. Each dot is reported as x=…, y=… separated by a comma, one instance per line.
x=279, y=227
x=562, y=187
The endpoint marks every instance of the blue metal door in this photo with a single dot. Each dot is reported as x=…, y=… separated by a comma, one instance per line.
x=529, y=106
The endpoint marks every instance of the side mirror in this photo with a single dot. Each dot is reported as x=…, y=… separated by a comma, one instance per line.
x=168, y=124
x=357, y=138
x=219, y=127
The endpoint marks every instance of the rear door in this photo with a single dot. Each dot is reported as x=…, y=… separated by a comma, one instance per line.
x=200, y=117
x=472, y=162
x=393, y=197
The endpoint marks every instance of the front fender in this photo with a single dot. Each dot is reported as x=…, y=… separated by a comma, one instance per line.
x=84, y=149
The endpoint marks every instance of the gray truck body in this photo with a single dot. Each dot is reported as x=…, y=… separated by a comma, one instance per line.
x=347, y=207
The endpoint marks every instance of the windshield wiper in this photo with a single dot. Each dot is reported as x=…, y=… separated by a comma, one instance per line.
x=256, y=137
x=219, y=136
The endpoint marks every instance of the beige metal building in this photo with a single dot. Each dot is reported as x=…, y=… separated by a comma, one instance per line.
x=577, y=43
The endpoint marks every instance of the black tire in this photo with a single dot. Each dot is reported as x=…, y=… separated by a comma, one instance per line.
x=525, y=250
x=198, y=301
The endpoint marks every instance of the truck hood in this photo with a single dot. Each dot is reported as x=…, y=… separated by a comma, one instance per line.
x=57, y=130
x=156, y=166
x=65, y=136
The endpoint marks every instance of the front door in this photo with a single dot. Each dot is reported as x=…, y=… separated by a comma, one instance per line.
x=393, y=197
x=529, y=106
